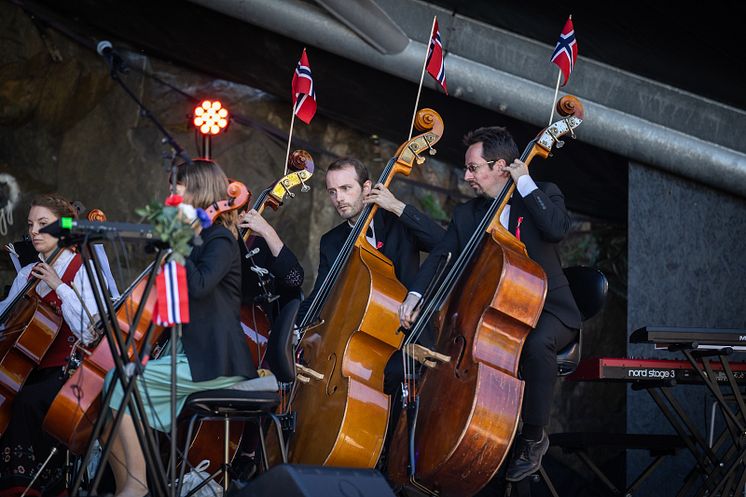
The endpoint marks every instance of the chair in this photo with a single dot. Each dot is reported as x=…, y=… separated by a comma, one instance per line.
x=589, y=287
x=242, y=405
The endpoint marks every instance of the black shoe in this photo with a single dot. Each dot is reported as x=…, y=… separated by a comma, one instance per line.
x=526, y=458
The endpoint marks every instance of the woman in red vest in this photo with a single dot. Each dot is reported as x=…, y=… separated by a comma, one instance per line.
x=64, y=285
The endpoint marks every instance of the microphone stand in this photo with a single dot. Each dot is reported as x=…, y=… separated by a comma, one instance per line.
x=126, y=374
x=116, y=65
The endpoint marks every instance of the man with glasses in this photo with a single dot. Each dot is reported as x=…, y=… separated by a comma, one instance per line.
x=537, y=212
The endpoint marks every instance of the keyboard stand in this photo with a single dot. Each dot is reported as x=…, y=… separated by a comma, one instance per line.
x=723, y=469
x=734, y=477
x=658, y=446
x=705, y=459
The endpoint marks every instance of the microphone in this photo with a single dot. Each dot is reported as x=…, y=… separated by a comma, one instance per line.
x=113, y=59
x=67, y=228
x=55, y=229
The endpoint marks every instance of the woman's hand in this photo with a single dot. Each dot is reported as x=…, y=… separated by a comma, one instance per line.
x=47, y=274
x=256, y=223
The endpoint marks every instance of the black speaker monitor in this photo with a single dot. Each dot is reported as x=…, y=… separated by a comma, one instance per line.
x=296, y=480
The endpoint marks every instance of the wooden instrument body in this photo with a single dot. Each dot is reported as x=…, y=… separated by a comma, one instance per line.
x=256, y=328
x=342, y=419
x=35, y=325
x=74, y=411
x=469, y=407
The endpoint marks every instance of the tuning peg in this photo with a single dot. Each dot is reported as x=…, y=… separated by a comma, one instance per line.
x=288, y=192
x=305, y=187
x=572, y=130
x=556, y=139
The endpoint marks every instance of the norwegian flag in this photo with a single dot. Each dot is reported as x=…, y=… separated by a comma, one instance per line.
x=566, y=51
x=172, y=305
x=435, y=64
x=304, y=94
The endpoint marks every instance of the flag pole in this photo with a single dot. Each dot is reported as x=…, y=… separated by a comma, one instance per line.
x=422, y=78
x=556, y=91
x=290, y=139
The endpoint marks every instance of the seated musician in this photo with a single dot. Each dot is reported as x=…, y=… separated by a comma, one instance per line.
x=398, y=230
x=213, y=352
x=273, y=271
x=65, y=287
x=538, y=212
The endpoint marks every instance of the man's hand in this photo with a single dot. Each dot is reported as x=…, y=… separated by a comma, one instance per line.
x=516, y=169
x=383, y=197
x=407, y=311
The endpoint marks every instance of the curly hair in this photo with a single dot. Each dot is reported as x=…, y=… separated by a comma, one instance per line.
x=59, y=205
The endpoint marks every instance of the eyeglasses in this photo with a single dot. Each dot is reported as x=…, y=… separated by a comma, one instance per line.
x=472, y=168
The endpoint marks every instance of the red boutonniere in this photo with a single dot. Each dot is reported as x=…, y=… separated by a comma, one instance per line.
x=518, y=228
x=379, y=245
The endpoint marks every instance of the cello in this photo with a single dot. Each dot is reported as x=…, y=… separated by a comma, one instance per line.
x=350, y=332
x=462, y=418
x=254, y=320
x=72, y=414
x=30, y=328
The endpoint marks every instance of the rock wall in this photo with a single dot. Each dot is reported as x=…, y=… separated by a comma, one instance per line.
x=66, y=126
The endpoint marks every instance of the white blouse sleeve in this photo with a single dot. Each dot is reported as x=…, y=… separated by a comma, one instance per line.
x=72, y=309
x=18, y=283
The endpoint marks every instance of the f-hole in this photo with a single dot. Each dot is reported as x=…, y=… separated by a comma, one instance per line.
x=460, y=342
x=330, y=389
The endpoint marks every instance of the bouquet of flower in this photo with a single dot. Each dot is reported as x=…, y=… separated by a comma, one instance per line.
x=174, y=221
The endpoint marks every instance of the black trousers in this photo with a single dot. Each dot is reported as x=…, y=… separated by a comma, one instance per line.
x=25, y=445
x=538, y=367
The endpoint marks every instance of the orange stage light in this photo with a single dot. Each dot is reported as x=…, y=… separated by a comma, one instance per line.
x=210, y=117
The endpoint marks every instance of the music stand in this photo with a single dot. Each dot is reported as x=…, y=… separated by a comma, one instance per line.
x=126, y=370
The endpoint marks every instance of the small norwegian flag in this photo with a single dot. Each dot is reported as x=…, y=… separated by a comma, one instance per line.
x=172, y=306
x=566, y=51
x=435, y=63
x=304, y=94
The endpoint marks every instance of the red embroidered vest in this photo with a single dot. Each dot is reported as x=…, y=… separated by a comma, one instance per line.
x=59, y=352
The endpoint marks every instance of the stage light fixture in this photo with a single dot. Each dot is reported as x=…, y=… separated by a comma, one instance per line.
x=210, y=117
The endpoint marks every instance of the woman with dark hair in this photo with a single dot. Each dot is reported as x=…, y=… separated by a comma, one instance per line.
x=212, y=350
x=63, y=286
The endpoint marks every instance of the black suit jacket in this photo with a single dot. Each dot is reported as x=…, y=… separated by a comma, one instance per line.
x=401, y=238
x=545, y=223
x=213, y=341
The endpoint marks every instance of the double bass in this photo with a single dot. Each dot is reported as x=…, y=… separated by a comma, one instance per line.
x=254, y=321
x=77, y=406
x=208, y=436
x=30, y=327
x=350, y=332
x=461, y=419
